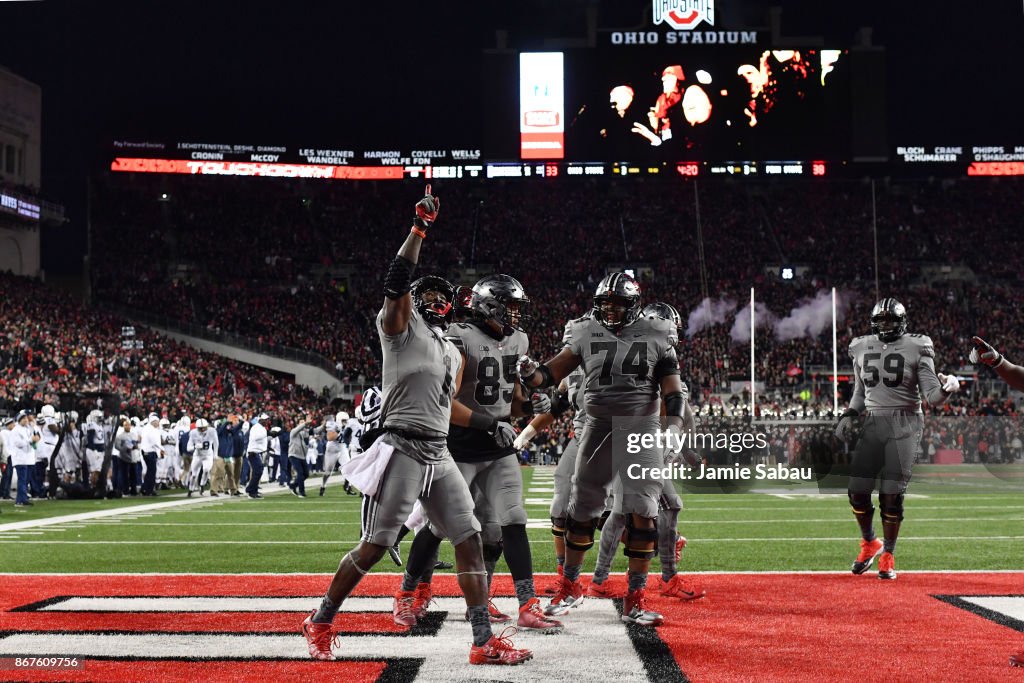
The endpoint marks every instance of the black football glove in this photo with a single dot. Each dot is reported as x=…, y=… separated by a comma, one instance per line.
x=984, y=352
x=426, y=211
x=844, y=430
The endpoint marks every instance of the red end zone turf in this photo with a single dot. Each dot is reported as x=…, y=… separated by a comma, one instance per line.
x=834, y=627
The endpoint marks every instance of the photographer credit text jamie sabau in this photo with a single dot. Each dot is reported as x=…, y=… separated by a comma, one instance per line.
x=675, y=442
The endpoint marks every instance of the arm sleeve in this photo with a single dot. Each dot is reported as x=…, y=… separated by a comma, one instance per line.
x=857, y=400
x=667, y=365
x=929, y=383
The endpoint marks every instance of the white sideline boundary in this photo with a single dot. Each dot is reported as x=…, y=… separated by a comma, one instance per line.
x=129, y=510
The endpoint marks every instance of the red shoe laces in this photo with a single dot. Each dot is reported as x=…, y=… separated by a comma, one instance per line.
x=324, y=639
x=426, y=595
x=405, y=606
x=504, y=641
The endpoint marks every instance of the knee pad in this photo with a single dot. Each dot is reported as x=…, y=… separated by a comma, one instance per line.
x=892, y=507
x=641, y=542
x=861, y=503
x=580, y=535
x=492, y=552
x=558, y=526
x=602, y=519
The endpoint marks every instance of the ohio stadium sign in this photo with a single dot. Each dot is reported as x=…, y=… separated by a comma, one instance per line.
x=682, y=17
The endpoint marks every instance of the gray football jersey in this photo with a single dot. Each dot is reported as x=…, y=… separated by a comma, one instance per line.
x=624, y=370
x=575, y=382
x=419, y=370
x=893, y=375
x=489, y=378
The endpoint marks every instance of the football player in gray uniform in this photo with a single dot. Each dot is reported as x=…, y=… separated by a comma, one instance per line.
x=983, y=352
x=422, y=372
x=569, y=396
x=893, y=370
x=631, y=367
x=670, y=543
x=480, y=440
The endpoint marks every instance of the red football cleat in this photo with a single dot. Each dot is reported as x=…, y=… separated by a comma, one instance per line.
x=495, y=614
x=319, y=638
x=532, y=618
x=402, y=608
x=499, y=650
x=602, y=590
x=634, y=610
x=887, y=567
x=552, y=587
x=423, y=597
x=570, y=594
x=677, y=587
x=869, y=550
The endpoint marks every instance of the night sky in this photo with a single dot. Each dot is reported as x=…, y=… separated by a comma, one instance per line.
x=413, y=73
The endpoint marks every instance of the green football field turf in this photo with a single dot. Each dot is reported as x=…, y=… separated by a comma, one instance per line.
x=958, y=518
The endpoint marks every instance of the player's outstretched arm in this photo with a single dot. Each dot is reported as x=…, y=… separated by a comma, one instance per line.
x=397, y=300
x=935, y=388
x=983, y=352
x=559, y=404
x=536, y=375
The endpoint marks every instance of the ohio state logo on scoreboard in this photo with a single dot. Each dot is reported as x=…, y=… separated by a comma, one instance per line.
x=684, y=14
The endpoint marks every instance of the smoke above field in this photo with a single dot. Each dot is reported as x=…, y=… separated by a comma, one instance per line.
x=763, y=317
x=707, y=313
x=809, y=318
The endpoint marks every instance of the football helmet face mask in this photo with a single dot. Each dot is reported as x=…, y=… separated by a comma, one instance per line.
x=617, y=301
x=501, y=299
x=463, y=302
x=668, y=312
x=889, y=320
x=433, y=297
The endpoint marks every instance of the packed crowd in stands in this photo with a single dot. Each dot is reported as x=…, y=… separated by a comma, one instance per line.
x=299, y=263
x=49, y=344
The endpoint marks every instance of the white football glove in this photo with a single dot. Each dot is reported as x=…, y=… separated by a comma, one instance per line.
x=950, y=384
